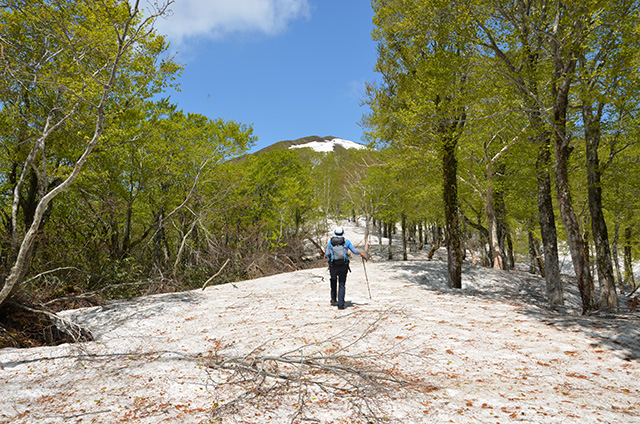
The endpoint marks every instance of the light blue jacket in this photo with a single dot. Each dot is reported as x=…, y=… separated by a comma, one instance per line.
x=347, y=244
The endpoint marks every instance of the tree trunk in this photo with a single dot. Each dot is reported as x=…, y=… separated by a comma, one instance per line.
x=483, y=236
x=492, y=202
x=126, y=237
x=616, y=256
x=435, y=232
x=629, y=278
x=571, y=225
x=161, y=256
x=606, y=281
x=500, y=211
x=450, y=194
x=404, y=237
x=572, y=228
x=536, y=257
x=547, y=220
x=494, y=244
x=380, y=225
x=511, y=260
x=532, y=253
x=367, y=234
x=390, y=234
x=564, y=69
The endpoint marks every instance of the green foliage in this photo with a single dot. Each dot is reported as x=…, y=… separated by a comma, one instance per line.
x=160, y=202
x=495, y=67
x=276, y=194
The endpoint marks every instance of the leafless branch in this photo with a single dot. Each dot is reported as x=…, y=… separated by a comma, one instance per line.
x=51, y=271
x=296, y=378
x=77, y=332
x=216, y=274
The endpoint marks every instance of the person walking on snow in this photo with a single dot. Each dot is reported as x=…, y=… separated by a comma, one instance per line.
x=337, y=254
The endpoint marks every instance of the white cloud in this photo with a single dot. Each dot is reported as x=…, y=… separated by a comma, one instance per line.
x=219, y=18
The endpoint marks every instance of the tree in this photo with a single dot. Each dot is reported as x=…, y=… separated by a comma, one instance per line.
x=424, y=60
x=522, y=38
x=278, y=188
x=607, y=76
x=494, y=128
x=68, y=65
x=154, y=193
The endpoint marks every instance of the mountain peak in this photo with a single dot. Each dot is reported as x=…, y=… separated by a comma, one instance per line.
x=318, y=144
x=328, y=144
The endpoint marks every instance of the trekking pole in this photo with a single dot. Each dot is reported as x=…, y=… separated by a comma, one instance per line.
x=366, y=277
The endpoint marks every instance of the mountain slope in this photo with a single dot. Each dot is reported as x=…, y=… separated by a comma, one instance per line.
x=320, y=144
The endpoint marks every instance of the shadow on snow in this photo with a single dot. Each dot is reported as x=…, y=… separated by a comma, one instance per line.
x=619, y=332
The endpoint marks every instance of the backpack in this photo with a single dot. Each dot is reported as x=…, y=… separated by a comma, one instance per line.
x=338, y=251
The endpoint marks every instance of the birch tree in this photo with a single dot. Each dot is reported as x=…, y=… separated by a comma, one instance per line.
x=68, y=65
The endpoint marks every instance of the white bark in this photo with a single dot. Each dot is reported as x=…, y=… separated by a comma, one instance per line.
x=127, y=36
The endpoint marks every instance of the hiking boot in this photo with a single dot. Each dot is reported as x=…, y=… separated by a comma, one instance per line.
x=334, y=302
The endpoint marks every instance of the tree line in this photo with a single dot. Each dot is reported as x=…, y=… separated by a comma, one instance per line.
x=530, y=110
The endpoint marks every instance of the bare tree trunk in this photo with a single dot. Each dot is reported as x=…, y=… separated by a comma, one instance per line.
x=547, y=220
x=483, y=237
x=608, y=295
x=494, y=243
x=161, y=256
x=572, y=228
x=500, y=210
x=511, y=260
x=536, y=257
x=629, y=278
x=450, y=194
x=404, y=237
x=380, y=235
x=390, y=235
x=616, y=256
x=367, y=234
x=126, y=237
x=574, y=237
x=565, y=61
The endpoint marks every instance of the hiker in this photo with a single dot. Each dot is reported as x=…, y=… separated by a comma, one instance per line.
x=337, y=254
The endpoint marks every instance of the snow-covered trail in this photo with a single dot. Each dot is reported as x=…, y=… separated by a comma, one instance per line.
x=488, y=353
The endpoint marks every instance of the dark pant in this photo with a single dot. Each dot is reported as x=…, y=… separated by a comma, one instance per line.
x=338, y=280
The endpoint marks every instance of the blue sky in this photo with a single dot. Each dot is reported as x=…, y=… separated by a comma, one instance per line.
x=289, y=68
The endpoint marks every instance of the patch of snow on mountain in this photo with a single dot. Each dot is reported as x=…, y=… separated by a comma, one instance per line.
x=329, y=146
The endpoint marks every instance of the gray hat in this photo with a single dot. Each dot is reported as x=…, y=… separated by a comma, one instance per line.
x=339, y=231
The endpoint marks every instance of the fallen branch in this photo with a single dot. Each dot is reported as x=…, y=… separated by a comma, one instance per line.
x=84, y=296
x=75, y=331
x=297, y=379
x=356, y=379
x=634, y=290
x=216, y=274
x=317, y=245
x=52, y=271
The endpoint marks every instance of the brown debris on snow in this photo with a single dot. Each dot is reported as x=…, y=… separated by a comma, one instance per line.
x=274, y=350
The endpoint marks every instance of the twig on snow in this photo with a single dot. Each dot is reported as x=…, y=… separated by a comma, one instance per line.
x=361, y=380
x=77, y=332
